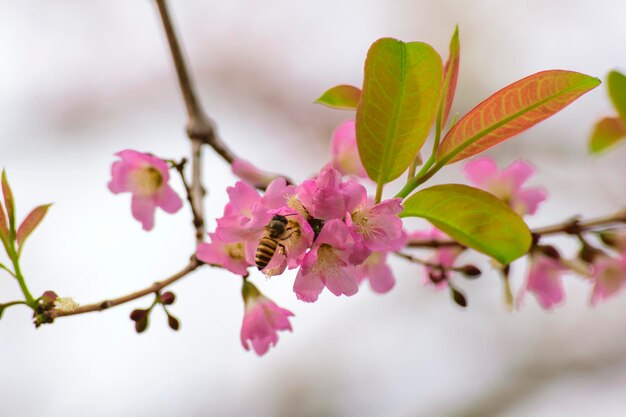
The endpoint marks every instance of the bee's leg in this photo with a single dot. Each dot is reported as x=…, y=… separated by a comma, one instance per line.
x=282, y=249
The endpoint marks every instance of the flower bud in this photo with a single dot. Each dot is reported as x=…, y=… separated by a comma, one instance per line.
x=589, y=253
x=173, y=322
x=470, y=271
x=458, y=297
x=138, y=314
x=549, y=251
x=141, y=325
x=614, y=239
x=167, y=298
x=437, y=275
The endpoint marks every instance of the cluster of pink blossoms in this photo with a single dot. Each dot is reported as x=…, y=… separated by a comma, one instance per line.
x=336, y=235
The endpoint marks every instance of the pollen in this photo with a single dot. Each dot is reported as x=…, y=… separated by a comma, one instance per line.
x=360, y=218
x=65, y=304
x=293, y=202
x=328, y=261
x=235, y=250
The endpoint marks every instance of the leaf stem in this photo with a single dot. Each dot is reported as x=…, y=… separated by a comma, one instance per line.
x=379, y=192
x=30, y=300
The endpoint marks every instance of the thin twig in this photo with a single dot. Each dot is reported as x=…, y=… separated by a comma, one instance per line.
x=193, y=264
x=197, y=216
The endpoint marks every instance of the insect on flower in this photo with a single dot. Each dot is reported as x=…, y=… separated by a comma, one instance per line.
x=276, y=231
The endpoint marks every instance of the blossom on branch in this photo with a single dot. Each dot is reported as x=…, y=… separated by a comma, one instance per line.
x=262, y=320
x=146, y=177
x=229, y=255
x=251, y=174
x=507, y=185
x=544, y=278
x=344, y=152
x=608, y=276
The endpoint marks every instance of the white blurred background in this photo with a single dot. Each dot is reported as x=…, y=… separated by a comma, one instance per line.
x=81, y=80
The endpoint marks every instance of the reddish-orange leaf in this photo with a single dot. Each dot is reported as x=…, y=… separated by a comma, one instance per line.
x=451, y=74
x=607, y=132
x=512, y=110
x=4, y=227
x=9, y=203
x=31, y=222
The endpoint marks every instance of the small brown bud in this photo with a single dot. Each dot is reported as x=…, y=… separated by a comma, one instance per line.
x=550, y=251
x=168, y=298
x=141, y=325
x=458, y=297
x=173, y=322
x=470, y=271
x=437, y=275
x=138, y=314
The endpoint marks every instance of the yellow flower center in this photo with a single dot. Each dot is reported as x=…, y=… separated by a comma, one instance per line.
x=235, y=250
x=360, y=218
x=147, y=180
x=328, y=261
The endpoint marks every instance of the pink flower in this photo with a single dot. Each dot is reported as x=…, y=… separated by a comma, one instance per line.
x=229, y=255
x=251, y=174
x=609, y=277
x=146, y=177
x=376, y=270
x=344, y=151
x=247, y=213
x=327, y=197
x=507, y=185
x=376, y=226
x=544, y=280
x=262, y=320
x=444, y=256
x=327, y=264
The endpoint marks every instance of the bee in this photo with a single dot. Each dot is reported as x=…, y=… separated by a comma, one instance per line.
x=276, y=231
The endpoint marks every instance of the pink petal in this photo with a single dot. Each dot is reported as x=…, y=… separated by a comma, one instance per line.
x=544, y=281
x=249, y=173
x=168, y=200
x=479, y=171
x=143, y=210
x=334, y=233
x=119, y=177
x=276, y=194
x=531, y=198
x=381, y=278
x=342, y=281
x=307, y=286
x=518, y=172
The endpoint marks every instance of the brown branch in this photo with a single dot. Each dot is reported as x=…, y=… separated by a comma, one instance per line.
x=193, y=264
x=573, y=226
x=200, y=128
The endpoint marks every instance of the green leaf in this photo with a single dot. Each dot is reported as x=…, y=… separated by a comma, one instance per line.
x=341, y=97
x=606, y=133
x=401, y=92
x=474, y=218
x=9, y=202
x=451, y=75
x=616, y=84
x=512, y=110
x=30, y=223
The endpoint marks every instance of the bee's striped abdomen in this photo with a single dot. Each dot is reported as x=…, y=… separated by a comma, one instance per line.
x=265, y=251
